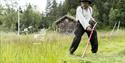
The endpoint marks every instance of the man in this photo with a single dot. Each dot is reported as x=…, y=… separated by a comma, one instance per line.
x=84, y=16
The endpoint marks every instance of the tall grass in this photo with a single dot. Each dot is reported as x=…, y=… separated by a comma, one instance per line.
x=54, y=49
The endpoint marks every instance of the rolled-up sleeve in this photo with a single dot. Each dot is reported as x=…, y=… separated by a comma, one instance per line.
x=81, y=18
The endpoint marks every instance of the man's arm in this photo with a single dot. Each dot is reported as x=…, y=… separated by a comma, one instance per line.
x=91, y=11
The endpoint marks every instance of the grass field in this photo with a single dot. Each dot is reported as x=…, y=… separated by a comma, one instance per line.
x=54, y=48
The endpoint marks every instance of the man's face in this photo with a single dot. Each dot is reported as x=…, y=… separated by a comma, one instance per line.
x=85, y=4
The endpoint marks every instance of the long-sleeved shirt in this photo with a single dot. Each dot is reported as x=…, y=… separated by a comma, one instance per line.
x=84, y=16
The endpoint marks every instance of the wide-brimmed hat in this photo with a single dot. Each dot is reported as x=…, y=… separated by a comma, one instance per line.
x=90, y=2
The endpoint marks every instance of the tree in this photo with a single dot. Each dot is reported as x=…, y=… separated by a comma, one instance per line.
x=1, y=15
x=118, y=13
x=10, y=19
x=9, y=15
x=70, y=6
x=60, y=10
x=103, y=8
x=30, y=17
x=52, y=14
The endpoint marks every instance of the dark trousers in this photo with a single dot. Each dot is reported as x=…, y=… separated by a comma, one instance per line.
x=78, y=34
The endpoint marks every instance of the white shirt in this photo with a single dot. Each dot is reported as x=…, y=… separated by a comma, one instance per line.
x=84, y=16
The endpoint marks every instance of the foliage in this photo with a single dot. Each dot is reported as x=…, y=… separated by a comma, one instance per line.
x=30, y=17
x=106, y=13
x=9, y=16
x=118, y=13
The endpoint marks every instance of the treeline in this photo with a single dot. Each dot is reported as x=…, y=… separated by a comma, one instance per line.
x=28, y=17
x=106, y=13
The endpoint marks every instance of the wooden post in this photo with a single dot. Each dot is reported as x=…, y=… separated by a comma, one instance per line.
x=113, y=29
x=118, y=26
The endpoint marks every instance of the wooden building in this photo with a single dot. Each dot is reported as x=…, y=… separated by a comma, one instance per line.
x=66, y=24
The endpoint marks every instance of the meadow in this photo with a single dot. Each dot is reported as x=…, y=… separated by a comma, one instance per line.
x=54, y=48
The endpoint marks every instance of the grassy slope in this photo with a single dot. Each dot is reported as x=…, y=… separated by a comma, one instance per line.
x=54, y=49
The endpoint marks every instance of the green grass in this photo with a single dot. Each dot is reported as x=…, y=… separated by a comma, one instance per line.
x=54, y=49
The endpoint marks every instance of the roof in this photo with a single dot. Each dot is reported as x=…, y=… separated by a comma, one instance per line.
x=66, y=16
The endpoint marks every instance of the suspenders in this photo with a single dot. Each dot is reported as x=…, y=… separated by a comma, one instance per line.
x=88, y=8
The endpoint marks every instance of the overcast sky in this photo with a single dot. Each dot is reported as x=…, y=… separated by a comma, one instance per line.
x=40, y=4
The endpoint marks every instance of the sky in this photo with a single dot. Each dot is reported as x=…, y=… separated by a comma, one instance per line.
x=40, y=4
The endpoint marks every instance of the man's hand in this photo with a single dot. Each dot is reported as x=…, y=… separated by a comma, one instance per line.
x=89, y=28
x=92, y=22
